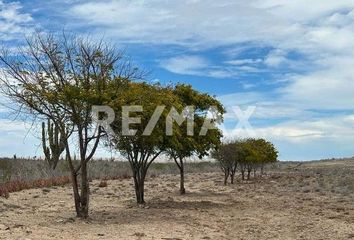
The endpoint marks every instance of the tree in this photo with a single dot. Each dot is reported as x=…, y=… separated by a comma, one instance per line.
x=267, y=152
x=138, y=145
x=231, y=155
x=238, y=156
x=246, y=154
x=59, y=78
x=182, y=144
x=226, y=159
x=252, y=156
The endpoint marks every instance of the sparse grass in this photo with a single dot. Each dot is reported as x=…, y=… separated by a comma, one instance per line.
x=19, y=174
x=326, y=176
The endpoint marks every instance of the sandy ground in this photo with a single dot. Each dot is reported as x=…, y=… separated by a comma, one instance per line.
x=266, y=209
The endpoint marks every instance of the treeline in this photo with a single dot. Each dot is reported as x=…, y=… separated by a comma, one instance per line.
x=247, y=156
x=59, y=80
x=86, y=94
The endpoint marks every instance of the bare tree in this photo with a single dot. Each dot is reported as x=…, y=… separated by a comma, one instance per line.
x=225, y=157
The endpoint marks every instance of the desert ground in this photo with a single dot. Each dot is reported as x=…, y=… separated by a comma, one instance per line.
x=291, y=201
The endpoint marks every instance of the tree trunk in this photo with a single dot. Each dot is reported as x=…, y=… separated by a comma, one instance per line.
x=182, y=190
x=232, y=177
x=76, y=193
x=226, y=177
x=233, y=172
x=139, y=182
x=242, y=169
x=81, y=200
x=180, y=165
x=85, y=191
x=248, y=174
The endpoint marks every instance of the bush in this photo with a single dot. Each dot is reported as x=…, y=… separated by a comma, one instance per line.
x=103, y=183
x=3, y=192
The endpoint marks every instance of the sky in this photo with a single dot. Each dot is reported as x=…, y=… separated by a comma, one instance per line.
x=286, y=66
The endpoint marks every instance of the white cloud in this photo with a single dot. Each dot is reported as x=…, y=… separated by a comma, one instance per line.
x=291, y=125
x=328, y=88
x=17, y=138
x=267, y=106
x=191, y=65
x=286, y=24
x=200, y=66
x=238, y=62
x=276, y=58
x=12, y=21
x=312, y=139
x=180, y=22
x=320, y=32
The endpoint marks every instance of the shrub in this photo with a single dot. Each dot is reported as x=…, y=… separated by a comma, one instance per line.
x=103, y=183
x=18, y=185
x=4, y=192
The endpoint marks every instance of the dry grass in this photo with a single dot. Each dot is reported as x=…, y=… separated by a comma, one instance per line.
x=283, y=204
x=29, y=170
x=20, y=174
x=312, y=200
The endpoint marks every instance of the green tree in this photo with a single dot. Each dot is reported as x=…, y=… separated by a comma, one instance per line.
x=258, y=152
x=267, y=153
x=247, y=155
x=138, y=146
x=182, y=144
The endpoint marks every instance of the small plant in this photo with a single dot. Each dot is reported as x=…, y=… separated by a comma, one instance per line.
x=126, y=175
x=103, y=184
x=4, y=192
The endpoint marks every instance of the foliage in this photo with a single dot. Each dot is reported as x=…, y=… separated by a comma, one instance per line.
x=247, y=155
x=141, y=149
x=60, y=78
x=183, y=145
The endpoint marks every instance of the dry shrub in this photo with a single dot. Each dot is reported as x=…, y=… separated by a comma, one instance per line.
x=3, y=192
x=126, y=175
x=18, y=185
x=103, y=183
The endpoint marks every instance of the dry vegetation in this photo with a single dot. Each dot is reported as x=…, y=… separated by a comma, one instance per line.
x=313, y=200
x=20, y=174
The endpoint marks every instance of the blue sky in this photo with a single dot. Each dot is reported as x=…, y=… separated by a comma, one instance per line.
x=292, y=60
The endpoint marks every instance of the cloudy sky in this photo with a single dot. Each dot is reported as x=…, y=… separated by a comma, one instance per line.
x=292, y=60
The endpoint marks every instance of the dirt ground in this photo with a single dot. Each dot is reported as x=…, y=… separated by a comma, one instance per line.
x=273, y=207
